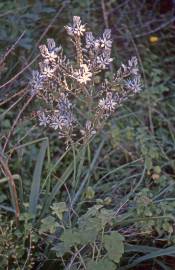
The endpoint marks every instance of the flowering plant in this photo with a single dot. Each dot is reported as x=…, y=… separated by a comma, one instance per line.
x=65, y=86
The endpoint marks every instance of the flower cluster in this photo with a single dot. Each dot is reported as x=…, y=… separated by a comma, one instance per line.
x=36, y=83
x=99, y=50
x=108, y=104
x=66, y=88
x=133, y=85
x=61, y=118
x=49, y=52
x=130, y=69
x=83, y=75
x=48, y=66
x=76, y=29
x=89, y=130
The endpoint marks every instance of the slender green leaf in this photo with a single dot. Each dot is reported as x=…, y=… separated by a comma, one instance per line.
x=35, y=188
x=170, y=251
x=57, y=187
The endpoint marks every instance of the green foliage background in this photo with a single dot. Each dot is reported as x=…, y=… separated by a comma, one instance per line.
x=121, y=186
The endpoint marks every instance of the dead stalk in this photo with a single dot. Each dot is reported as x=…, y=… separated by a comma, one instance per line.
x=12, y=186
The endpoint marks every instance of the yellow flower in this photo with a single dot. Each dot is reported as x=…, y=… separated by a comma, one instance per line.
x=153, y=39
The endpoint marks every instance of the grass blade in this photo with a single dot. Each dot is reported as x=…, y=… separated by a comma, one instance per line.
x=170, y=251
x=35, y=188
x=86, y=178
x=57, y=187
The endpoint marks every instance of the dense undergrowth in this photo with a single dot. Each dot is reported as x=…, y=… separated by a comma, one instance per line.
x=109, y=203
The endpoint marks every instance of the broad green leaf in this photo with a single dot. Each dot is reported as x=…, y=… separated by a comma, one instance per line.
x=88, y=236
x=70, y=237
x=148, y=163
x=89, y=193
x=167, y=227
x=61, y=249
x=91, y=223
x=49, y=224
x=58, y=209
x=83, y=236
x=92, y=212
x=107, y=200
x=105, y=216
x=114, y=246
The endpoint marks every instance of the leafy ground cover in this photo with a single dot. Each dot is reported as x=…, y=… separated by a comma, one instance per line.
x=108, y=204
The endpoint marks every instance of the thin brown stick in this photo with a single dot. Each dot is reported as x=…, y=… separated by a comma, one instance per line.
x=163, y=25
x=16, y=146
x=51, y=22
x=28, y=252
x=11, y=107
x=16, y=121
x=12, y=186
x=42, y=36
x=14, y=11
x=11, y=48
x=105, y=13
x=13, y=96
x=19, y=73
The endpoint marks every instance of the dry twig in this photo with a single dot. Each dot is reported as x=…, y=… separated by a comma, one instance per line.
x=12, y=186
